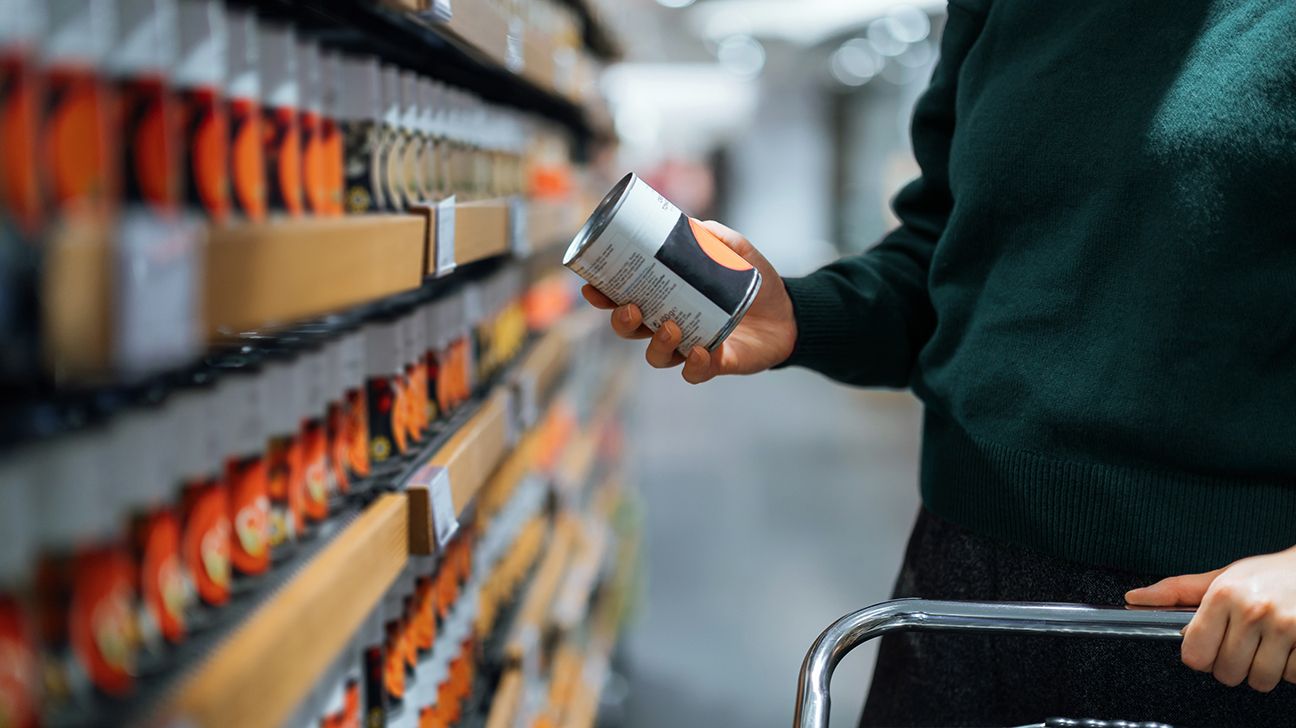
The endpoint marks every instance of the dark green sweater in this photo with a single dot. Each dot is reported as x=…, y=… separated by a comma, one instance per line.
x=1093, y=288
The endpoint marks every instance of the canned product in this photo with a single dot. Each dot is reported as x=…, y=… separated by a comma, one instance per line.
x=639, y=248
x=281, y=93
x=247, y=161
x=200, y=77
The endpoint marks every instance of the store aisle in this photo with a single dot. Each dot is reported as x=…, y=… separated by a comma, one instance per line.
x=774, y=505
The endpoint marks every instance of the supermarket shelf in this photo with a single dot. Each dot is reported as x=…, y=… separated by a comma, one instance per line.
x=397, y=36
x=287, y=270
x=295, y=637
x=528, y=628
x=598, y=37
x=551, y=224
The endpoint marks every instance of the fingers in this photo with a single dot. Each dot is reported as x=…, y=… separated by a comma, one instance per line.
x=661, y=350
x=628, y=323
x=1270, y=661
x=1237, y=651
x=1185, y=591
x=596, y=297
x=698, y=366
x=1203, y=635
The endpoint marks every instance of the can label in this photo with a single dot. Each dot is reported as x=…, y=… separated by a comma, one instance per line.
x=283, y=155
x=363, y=167
x=205, y=544
x=20, y=194
x=101, y=622
x=314, y=181
x=150, y=124
x=357, y=432
x=334, y=177
x=250, y=516
x=74, y=138
x=247, y=159
x=386, y=431
x=207, y=139
x=19, y=676
x=315, y=470
x=338, y=446
x=164, y=590
x=392, y=169
x=284, y=475
x=643, y=250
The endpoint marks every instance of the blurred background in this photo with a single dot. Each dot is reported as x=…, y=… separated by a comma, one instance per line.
x=777, y=503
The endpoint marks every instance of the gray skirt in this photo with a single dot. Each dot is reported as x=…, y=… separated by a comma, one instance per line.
x=972, y=680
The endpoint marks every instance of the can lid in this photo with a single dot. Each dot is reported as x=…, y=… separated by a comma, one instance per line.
x=146, y=37
x=278, y=54
x=204, y=45
x=79, y=31
x=391, y=95
x=310, y=77
x=24, y=22
x=360, y=96
x=18, y=485
x=244, y=55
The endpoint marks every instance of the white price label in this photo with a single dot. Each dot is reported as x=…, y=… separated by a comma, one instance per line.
x=445, y=522
x=514, y=57
x=519, y=234
x=445, y=236
x=157, y=292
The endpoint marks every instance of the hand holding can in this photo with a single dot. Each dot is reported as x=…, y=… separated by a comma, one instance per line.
x=702, y=292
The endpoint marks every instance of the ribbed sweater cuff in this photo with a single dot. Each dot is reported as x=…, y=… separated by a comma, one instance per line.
x=823, y=330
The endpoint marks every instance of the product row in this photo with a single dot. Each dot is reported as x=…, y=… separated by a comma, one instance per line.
x=167, y=105
x=140, y=525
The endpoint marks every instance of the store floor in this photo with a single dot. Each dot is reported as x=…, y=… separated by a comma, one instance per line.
x=774, y=504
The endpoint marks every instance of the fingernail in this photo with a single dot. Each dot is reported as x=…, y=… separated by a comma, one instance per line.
x=625, y=314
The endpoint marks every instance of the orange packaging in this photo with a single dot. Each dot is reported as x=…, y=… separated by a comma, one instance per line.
x=315, y=186
x=21, y=88
x=373, y=666
x=85, y=580
x=383, y=392
x=77, y=119
x=394, y=650
x=331, y=142
x=285, y=486
x=355, y=404
x=245, y=473
x=20, y=690
x=200, y=423
x=247, y=171
x=199, y=79
x=281, y=133
x=147, y=111
x=317, y=486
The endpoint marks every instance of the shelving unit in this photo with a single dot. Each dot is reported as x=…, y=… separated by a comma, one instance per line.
x=287, y=295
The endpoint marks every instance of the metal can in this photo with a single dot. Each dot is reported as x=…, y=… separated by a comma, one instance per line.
x=639, y=248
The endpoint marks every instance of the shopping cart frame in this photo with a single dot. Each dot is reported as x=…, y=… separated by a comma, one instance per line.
x=921, y=615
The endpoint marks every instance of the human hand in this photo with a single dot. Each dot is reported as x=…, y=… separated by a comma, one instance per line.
x=1245, y=626
x=764, y=337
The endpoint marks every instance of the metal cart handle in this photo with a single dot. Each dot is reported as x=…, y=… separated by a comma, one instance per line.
x=901, y=615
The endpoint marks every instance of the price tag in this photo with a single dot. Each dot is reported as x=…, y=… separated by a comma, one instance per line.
x=435, y=506
x=445, y=236
x=157, y=292
x=441, y=10
x=513, y=53
x=519, y=234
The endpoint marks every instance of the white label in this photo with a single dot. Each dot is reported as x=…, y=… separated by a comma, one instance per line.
x=445, y=236
x=519, y=234
x=445, y=522
x=621, y=262
x=513, y=55
x=157, y=293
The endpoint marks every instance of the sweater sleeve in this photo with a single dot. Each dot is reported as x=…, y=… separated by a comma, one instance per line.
x=863, y=319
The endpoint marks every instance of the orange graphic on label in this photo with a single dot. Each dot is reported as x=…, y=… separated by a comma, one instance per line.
x=101, y=623
x=716, y=249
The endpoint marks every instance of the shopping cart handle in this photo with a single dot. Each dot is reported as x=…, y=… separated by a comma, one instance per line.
x=902, y=615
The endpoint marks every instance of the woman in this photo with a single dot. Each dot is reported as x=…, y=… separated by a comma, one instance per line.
x=1093, y=292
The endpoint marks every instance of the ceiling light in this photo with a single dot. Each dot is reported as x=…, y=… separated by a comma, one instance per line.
x=855, y=62
x=741, y=55
x=882, y=40
x=908, y=24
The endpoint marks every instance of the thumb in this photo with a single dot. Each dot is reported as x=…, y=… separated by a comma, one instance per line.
x=1176, y=591
x=730, y=237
